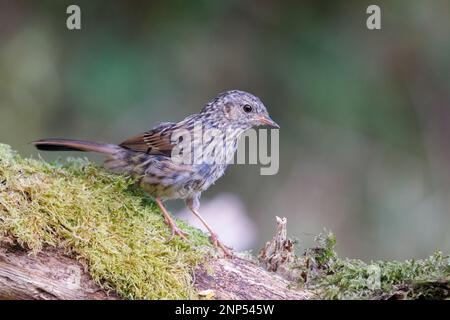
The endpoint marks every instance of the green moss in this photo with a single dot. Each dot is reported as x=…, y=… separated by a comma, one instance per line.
x=335, y=278
x=100, y=218
x=110, y=225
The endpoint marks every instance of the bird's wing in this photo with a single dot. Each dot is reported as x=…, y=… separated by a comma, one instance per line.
x=155, y=141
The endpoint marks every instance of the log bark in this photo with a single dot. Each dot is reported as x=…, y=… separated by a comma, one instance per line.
x=52, y=275
x=243, y=279
x=49, y=275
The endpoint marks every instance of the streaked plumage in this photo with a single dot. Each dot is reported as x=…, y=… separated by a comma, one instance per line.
x=149, y=156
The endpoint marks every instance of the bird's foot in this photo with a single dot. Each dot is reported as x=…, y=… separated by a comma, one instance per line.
x=219, y=245
x=176, y=231
x=170, y=222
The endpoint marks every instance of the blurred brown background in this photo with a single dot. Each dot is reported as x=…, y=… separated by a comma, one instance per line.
x=364, y=115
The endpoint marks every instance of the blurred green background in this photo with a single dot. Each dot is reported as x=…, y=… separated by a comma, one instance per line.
x=364, y=115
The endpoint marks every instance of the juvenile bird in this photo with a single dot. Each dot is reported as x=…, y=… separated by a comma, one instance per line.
x=180, y=160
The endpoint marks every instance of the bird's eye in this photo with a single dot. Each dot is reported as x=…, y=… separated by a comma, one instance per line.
x=247, y=108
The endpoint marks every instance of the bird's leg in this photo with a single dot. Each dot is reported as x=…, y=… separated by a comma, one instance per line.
x=193, y=205
x=212, y=235
x=170, y=222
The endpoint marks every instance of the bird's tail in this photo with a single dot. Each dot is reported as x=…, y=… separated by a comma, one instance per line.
x=75, y=145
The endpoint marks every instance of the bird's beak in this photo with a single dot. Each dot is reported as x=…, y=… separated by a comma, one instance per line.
x=266, y=120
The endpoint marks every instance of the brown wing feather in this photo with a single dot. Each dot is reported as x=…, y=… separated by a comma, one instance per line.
x=154, y=141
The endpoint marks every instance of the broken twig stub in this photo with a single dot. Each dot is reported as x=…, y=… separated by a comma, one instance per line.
x=278, y=254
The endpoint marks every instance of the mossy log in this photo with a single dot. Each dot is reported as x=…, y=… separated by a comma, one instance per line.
x=74, y=231
x=51, y=274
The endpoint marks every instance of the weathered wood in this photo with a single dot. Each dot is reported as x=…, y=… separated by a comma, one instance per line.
x=278, y=254
x=243, y=279
x=48, y=275
x=52, y=275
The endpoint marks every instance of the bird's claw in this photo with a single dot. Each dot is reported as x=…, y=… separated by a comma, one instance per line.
x=219, y=245
x=176, y=232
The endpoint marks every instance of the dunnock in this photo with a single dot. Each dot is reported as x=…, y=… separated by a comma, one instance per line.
x=150, y=156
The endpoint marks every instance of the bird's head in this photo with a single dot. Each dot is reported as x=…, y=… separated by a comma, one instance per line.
x=239, y=109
